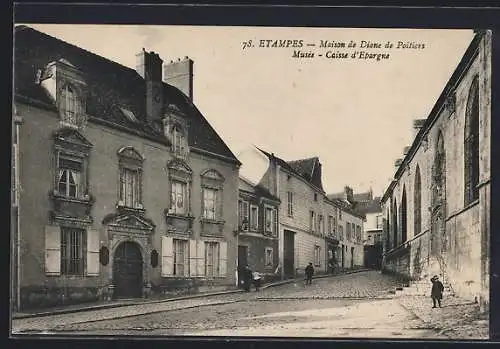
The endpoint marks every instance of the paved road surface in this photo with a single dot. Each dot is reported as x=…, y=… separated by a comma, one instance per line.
x=351, y=305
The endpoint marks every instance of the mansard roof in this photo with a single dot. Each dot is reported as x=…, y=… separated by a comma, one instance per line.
x=111, y=87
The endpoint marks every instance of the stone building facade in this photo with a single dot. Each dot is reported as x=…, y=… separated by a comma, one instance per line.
x=311, y=226
x=258, y=230
x=369, y=207
x=123, y=188
x=437, y=208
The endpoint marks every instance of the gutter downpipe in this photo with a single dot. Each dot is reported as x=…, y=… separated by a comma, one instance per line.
x=17, y=238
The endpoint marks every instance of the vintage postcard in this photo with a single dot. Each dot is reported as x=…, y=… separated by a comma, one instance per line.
x=250, y=181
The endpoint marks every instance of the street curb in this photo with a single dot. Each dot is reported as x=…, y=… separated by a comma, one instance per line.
x=117, y=305
x=284, y=282
x=162, y=311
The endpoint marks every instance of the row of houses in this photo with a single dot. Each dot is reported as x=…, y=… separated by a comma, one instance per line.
x=307, y=226
x=121, y=187
x=437, y=209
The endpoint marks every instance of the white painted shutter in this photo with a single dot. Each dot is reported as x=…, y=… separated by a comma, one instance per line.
x=167, y=256
x=223, y=258
x=200, y=265
x=93, y=252
x=52, y=250
x=193, y=258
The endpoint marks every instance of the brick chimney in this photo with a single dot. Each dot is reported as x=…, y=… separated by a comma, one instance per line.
x=149, y=67
x=180, y=74
x=417, y=125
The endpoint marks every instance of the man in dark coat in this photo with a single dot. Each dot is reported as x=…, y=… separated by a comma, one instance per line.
x=247, y=277
x=309, y=274
x=437, y=291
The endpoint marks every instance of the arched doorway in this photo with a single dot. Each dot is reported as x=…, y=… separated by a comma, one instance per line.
x=127, y=270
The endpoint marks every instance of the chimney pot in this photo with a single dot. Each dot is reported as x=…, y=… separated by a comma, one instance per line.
x=186, y=57
x=406, y=150
x=179, y=73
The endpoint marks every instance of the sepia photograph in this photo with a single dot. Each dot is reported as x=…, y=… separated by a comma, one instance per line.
x=246, y=181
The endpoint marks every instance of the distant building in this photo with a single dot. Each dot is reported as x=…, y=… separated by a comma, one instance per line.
x=121, y=187
x=311, y=227
x=437, y=208
x=258, y=230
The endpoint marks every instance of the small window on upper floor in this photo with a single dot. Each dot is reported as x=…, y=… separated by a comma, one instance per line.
x=315, y=197
x=178, y=141
x=70, y=106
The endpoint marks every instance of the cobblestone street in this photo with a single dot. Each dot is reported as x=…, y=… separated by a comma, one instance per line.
x=358, y=305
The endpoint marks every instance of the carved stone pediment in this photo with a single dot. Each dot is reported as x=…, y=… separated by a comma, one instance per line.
x=128, y=221
x=70, y=138
x=130, y=153
x=180, y=166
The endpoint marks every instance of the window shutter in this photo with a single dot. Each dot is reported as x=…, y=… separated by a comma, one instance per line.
x=275, y=222
x=52, y=250
x=193, y=258
x=93, y=252
x=223, y=258
x=167, y=256
x=219, y=204
x=200, y=265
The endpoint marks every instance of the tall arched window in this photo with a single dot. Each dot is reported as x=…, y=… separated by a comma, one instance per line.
x=388, y=233
x=394, y=223
x=471, y=144
x=439, y=173
x=417, y=203
x=404, y=219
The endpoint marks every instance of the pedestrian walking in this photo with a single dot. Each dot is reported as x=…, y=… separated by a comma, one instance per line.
x=257, y=278
x=309, y=274
x=437, y=291
x=247, y=275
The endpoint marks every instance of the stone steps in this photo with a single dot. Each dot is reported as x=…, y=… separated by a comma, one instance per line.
x=421, y=288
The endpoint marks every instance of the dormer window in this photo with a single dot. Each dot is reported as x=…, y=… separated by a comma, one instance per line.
x=66, y=86
x=176, y=130
x=178, y=141
x=69, y=105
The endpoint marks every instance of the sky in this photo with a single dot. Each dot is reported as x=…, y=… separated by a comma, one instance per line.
x=354, y=114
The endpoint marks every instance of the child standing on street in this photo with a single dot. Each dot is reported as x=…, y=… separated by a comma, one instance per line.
x=437, y=291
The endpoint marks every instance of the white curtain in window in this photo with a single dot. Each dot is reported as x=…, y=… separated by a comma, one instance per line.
x=179, y=197
x=209, y=203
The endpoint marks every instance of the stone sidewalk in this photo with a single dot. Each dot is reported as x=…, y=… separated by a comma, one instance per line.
x=457, y=319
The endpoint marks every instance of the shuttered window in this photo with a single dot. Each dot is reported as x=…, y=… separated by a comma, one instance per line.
x=181, y=257
x=211, y=259
x=72, y=251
